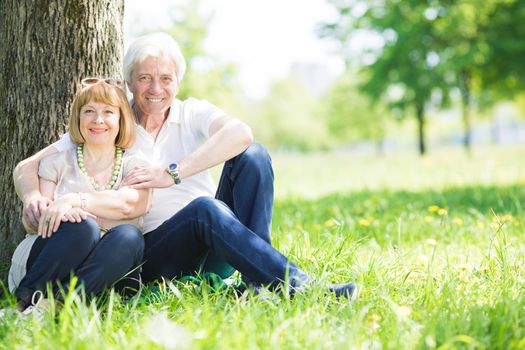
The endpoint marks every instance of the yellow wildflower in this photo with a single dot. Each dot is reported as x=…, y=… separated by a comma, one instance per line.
x=375, y=317
x=329, y=223
x=442, y=212
x=404, y=310
x=464, y=266
x=433, y=208
x=458, y=221
x=431, y=242
x=374, y=322
x=506, y=218
x=422, y=259
x=428, y=218
x=364, y=222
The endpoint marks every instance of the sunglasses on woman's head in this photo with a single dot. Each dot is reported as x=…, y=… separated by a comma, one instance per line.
x=110, y=81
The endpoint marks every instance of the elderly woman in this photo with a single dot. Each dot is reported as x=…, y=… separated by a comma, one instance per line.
x=98, y=240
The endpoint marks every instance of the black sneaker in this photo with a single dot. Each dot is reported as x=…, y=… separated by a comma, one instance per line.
x=347, y=290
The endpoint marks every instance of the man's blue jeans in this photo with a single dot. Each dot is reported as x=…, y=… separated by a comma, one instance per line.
x=77, y=248
x=231, y=231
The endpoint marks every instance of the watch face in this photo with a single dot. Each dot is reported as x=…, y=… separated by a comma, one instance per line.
x=173, y=167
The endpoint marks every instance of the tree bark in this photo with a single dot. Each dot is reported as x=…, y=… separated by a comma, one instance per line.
x=380, y=146
x=465, y=110
x=47, y=47
x=420, y=115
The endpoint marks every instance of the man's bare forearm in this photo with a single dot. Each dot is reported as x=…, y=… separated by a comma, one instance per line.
x=230, y=139
x=25, y=178
x=25, y=175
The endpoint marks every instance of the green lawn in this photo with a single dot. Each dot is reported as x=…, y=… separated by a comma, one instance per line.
x=433, y=243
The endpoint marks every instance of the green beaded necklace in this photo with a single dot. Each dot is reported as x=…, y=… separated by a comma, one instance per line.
x=116, y=168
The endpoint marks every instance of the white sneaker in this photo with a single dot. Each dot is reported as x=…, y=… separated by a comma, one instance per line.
x=39, y=306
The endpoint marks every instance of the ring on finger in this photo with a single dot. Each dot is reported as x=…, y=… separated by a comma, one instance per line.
x=48, y=219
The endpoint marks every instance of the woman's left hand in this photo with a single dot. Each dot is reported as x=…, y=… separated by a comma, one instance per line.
x=76, y=215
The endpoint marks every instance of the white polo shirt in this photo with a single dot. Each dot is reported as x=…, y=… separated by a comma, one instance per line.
x=185, y=129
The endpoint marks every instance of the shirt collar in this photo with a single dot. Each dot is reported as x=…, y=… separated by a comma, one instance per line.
x=175, y=109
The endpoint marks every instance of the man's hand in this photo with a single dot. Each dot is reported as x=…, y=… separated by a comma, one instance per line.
x=148, y=177
x=33, y=208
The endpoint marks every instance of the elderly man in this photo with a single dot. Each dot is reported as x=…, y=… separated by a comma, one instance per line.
x=190, y=227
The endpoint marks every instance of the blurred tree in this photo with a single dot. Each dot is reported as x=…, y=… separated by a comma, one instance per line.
x=404, y=70
x=480, y=50
x=351, y=115
x=190, y=28
x=291, y=118
x=47, y=47
x=206, y=77
x=461, y=50
x=282, y=120
x=520, y=103
x=439, y=45
x=503, y=72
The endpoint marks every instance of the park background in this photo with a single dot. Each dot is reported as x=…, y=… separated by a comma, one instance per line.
x=396, y=130
x=291, y=69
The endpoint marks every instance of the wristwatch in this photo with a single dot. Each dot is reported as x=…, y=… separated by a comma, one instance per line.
x=173, y=170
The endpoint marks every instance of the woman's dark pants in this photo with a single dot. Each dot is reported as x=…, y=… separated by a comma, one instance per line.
x=77, y=248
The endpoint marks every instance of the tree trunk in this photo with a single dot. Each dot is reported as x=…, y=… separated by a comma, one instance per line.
x=465, y=108
x=420, y=115
x=47, y=47
x=380, y=146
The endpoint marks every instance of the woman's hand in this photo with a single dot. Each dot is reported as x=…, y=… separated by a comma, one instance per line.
x=52, y=216
x=76, y=215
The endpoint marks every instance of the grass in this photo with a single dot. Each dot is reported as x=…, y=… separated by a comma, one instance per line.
x=435, y=245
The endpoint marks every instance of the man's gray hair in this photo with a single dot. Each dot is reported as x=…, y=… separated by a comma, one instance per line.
x=154, y=45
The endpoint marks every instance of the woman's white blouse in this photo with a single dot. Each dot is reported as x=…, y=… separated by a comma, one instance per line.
x=62, y=169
